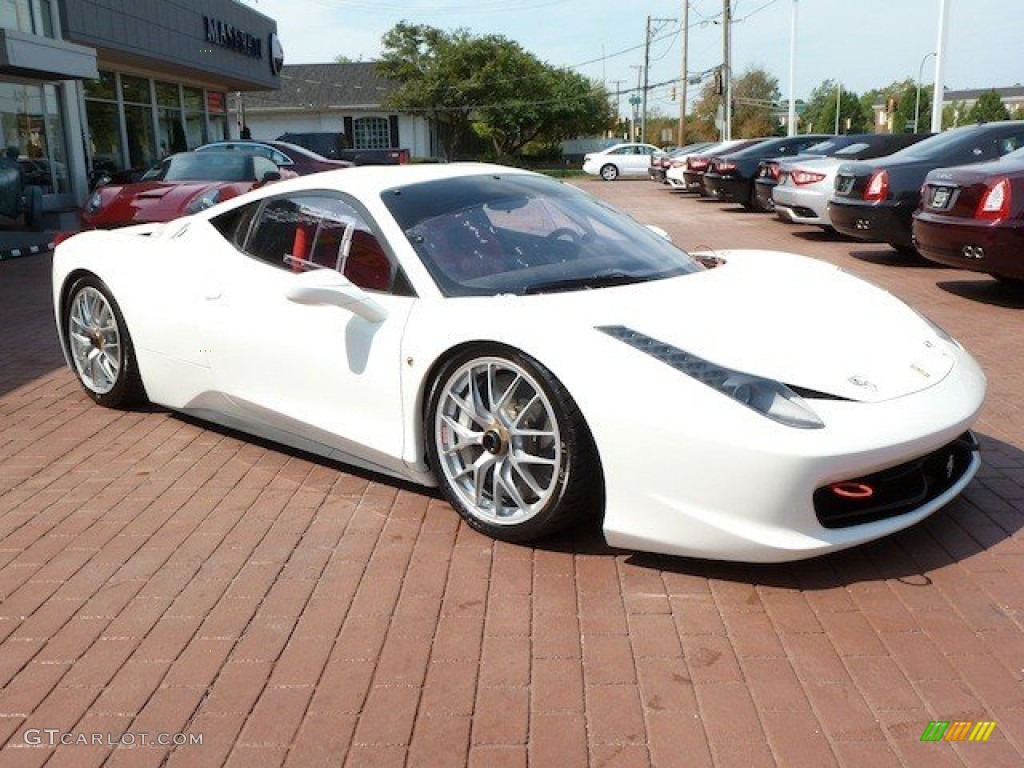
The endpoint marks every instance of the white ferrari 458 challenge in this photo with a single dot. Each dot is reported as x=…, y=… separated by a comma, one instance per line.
x=539, y=355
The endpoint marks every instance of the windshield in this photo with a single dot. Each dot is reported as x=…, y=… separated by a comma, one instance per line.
x=938, y=144
x=491, y=234
x=208, y=166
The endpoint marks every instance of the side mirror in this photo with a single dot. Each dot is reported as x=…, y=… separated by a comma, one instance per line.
x=325, y=286
x=270, y=176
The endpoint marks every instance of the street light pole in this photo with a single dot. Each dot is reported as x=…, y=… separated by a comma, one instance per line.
x=791, y=116
x=839, y=102
x=940, y=64
x=917, y=105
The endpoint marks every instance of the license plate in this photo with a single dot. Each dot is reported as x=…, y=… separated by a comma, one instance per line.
x=844, y=185
x=940, y=197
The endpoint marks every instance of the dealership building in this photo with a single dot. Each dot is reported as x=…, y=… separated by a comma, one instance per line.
x=90, y=86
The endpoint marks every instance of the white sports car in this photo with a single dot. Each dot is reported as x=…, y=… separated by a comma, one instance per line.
x=539, y=355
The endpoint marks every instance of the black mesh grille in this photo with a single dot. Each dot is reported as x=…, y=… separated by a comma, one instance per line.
x=896, y=490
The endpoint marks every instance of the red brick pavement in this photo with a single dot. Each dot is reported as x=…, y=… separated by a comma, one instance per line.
x=157, y=576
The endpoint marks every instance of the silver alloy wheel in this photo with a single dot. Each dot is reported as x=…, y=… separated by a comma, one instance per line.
x=95, y=340
x=498, y=441
x=609, y=172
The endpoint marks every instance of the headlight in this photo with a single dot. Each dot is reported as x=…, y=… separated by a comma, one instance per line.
x=95, y=202
x=203, y=201
x=769, y=398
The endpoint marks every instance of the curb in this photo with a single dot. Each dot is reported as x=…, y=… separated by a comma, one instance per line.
x=28, y=250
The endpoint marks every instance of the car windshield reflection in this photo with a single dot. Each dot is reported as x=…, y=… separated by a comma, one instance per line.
x=492, y=234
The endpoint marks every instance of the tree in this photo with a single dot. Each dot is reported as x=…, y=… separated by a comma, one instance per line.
x=487, y=87
x=820, y=114
x=989, y=108
x=755, y=93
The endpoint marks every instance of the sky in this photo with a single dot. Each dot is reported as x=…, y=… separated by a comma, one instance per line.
x=863, y=44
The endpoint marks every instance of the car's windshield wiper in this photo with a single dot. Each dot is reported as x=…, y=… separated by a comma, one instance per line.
x=599, y=280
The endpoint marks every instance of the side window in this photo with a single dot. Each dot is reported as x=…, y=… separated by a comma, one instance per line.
x=1010, y=143
x=234, y=225
x=319, y=231
x=262, y=167
x=279, y=158
x=622, y=151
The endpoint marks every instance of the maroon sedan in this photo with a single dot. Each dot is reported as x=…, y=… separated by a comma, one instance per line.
x=972, y=217
x=286, y=156
x=182, y=184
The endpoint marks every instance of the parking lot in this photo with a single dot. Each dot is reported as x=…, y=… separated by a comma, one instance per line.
x=161, y=581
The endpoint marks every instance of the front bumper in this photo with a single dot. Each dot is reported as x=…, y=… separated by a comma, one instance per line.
x=994, y=248
x=750, y=496
x=884, y=222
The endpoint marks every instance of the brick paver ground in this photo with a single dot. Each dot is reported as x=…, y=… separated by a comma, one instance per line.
x=157, y=576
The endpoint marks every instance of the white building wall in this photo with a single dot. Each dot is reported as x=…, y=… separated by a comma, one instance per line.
x=413, y=131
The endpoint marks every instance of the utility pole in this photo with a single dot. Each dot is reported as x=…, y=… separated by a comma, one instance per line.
x=647, y=61
x=727, y=70
x=618, y=93
x=682, y=75
x=634, y=101
x=940, y=63
x=791, y=117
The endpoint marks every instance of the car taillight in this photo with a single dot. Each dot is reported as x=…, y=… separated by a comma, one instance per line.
x=772, y=171
x=878, y=186
x=697, y=165
x=805, y=177
x=725, y=165
x=995, y=204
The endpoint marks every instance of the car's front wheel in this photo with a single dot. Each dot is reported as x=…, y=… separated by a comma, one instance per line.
x=609, y=172
x=99, y=346
x=510, y=447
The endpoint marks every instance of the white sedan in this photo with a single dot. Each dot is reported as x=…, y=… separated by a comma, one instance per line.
x=541, y=356
x=620, y=160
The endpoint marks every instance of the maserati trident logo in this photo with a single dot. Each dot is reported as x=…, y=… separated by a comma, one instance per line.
x=860, y=381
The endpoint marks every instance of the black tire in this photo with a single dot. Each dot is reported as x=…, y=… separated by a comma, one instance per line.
x=609, y=172
x=573, y=490
x=124, y=387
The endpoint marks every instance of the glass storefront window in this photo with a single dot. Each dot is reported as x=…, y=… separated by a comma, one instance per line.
x=141, y=146
x=135, y=89
x=219, y=128
x=167, y=95
x=195, y=129
x=104, y=136
x=16, y=14
x=33, y=132
x=193, y=99
x=101, y=88
x=172, y=136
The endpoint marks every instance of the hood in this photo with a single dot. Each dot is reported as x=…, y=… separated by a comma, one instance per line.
x=153, y=200
x=783, y=317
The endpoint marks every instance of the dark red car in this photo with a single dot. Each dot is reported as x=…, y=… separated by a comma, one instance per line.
x=286, y=156
x=182, y=184
x=972, y=217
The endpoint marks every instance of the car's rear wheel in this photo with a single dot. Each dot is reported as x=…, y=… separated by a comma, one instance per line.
x=100, y=349
x=510, y=447
x=609, y=172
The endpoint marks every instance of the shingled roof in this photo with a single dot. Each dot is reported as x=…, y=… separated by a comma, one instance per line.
x=350, y=85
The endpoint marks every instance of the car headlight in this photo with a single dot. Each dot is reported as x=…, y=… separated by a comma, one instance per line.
x=94, y=203
x=769, y=398
x=203, y=201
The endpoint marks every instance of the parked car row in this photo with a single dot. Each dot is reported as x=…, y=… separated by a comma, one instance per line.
x=956, y=198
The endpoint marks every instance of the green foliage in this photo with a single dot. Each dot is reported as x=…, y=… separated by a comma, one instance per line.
x=488, y=88
x=954, y=114
x=820, y=113
x=749, y=120
x=989, y=108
